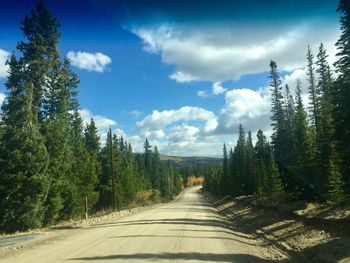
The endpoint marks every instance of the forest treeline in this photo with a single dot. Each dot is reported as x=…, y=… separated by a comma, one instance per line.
x=50, y=161
x=309, y=153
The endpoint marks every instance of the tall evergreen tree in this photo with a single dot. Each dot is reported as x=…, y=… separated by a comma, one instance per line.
x=260, y=175
x=304, y=148
x=239, y=160
x=279, y=137
x=23, y=157
x=156, y=169
x=341, y=97
x=249, y=178
x=92, y=145
x=225, y=172
x=147, y=156
x=40, y=52
x=276, y=108
x=325, y=135
x=55, y=128
x=313, y=90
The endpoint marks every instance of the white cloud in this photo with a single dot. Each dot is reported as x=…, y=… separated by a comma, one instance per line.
x=184, y=131
x=217, y=88
x=4, y=55
x=160, y=119
x=89, y=61
x=203, y=93
x=247, y=107
x=218, y=53
x=180, y=76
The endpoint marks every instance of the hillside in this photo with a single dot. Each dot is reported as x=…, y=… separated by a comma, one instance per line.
x=194, y=160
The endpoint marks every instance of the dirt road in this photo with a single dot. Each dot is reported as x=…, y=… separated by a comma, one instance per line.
x=186, y=230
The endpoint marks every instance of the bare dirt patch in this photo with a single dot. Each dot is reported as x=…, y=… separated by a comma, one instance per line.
x=307, y=232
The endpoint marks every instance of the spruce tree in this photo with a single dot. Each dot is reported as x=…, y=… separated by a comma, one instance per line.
x=27, y=163
x=335, y=184
x=304, y=148
x=55, y=128
x=40, y=52
x=92, y=145
x=156, y=169
x=288, y=139
x=147, y=157
x=239, y=160
x=104, y=185
x=23, y=157
x=225, y=172
x=260, y=176
x=341, y=112
x=250, y=169
x=313, y=90
x=325, y=135
x=279, y=137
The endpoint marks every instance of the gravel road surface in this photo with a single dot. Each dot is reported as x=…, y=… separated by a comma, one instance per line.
x=188, y=229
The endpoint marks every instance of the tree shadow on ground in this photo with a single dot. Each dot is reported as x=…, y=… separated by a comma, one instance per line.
x=203, y=257
x=175, y=221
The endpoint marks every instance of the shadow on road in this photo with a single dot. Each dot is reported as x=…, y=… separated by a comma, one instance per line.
x=204, y=257
x=176, y=221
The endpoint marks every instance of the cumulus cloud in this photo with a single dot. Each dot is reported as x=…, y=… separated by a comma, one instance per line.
x=89, y=61
x=4, y=55
x=218, y=89
x=183, y=131
x=228, y=51
x=247, y=107
x=160, y=119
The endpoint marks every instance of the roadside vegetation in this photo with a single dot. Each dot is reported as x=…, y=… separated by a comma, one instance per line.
x=308, y=157
x=51, y=163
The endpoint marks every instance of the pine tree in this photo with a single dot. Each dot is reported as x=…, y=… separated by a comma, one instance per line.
x=260, y=176
x=304, y=148
x=325, y=134
x=250, y=169
x=92, y=145
x=335, y=183
x=239, y=160
x=28, y=78
x=273, y=176
x=288, y=141
x=55, y=128
x=23, y=157
x=156, y=169
x=41, y=51
x=147, y=157
x=341, y=112
x=104, y=185
x=313, y=90
x=279, y=137
x=225, y=172
x=267, y=178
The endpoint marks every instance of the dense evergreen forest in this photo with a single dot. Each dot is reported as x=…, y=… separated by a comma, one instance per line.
x=50, y=161
x=308, y=156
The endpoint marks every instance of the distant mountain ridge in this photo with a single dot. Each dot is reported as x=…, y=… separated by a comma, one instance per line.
x=191, y=160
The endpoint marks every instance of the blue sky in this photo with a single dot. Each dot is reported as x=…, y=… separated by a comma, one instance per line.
x=182, y=73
